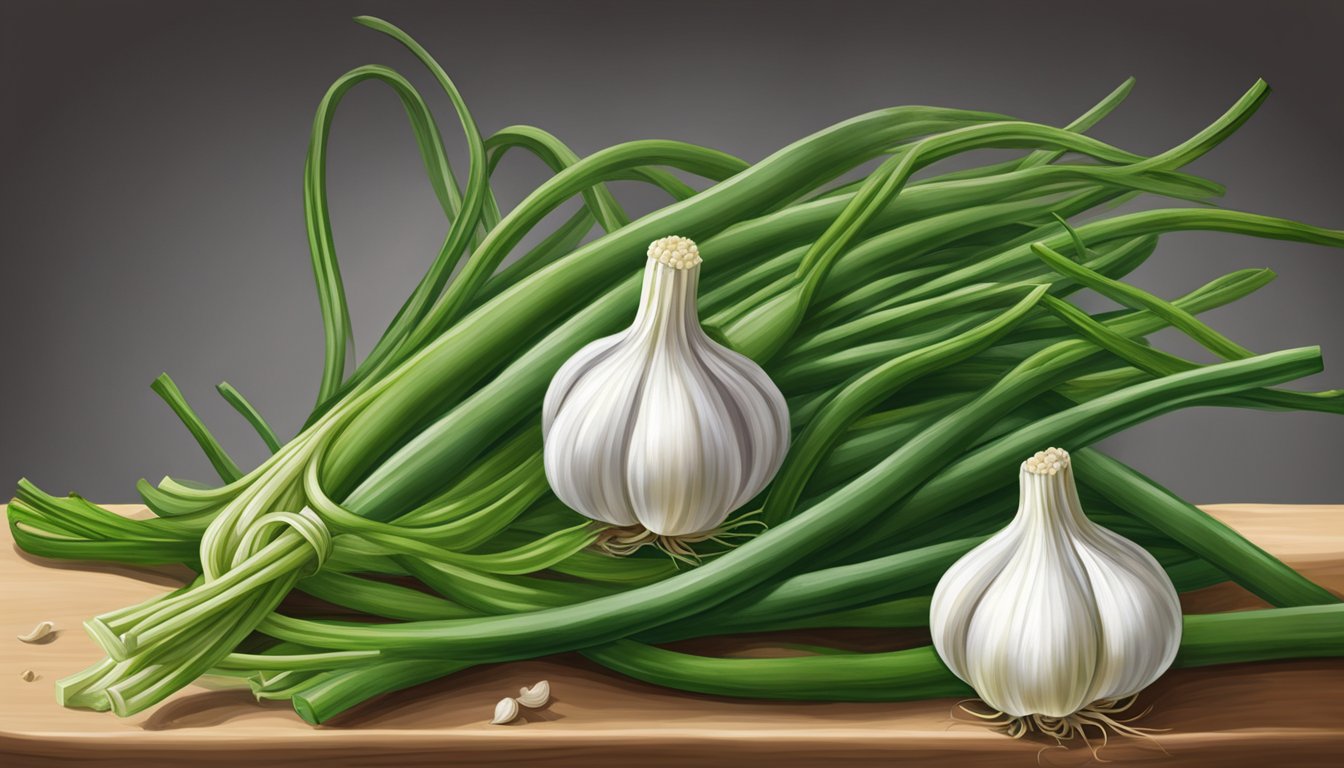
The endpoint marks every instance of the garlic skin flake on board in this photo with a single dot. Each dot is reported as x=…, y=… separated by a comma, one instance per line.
x=659, y=426
x=1055, y=619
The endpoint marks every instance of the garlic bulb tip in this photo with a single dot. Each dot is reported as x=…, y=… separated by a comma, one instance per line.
x=675, y=251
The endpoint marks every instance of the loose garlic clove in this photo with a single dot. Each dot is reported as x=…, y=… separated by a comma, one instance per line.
x=1055, y=614
x=506, y=711
x=40, y=631
x=535, y=697
x=659, y=426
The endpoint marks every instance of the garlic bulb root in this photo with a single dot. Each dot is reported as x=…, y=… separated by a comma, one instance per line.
x=1100, y=715
x=622, y=541
x=659, y=431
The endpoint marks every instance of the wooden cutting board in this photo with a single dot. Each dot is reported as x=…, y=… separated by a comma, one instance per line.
x=1283, y=713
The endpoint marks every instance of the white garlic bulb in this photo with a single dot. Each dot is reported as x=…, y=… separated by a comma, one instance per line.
x=1055, y=613
x=658, y=425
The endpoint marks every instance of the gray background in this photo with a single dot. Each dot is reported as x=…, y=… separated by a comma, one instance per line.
x=151, y=216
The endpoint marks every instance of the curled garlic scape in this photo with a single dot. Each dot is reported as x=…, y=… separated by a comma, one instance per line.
x=1055, y=619
x=658, y=427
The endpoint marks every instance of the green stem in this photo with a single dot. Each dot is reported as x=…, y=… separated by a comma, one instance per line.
x=165, y=388
x=918, y=673
x=249, y=412
x=1246, y=563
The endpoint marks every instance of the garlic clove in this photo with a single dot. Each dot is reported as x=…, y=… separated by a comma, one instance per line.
x=506, y=711
x=1033, y=638
x=586, y=406
x=571, y=373
x=762, y=411
x=1139, y=613
x=38, y=632
x=958, y=594
x=535, y=697
x=684, y=464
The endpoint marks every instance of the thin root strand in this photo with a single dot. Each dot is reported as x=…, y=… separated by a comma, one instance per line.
x=1100, y=715
x=622, y=541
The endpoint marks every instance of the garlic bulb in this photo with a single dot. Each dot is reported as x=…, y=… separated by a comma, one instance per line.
x=1054, y=615
x=658, y=426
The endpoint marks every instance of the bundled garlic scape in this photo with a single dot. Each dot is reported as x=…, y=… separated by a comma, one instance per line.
x=659, y=429
x=1055, y=621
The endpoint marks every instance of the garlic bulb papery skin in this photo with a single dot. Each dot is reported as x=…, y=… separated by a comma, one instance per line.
x=1055, y=613
x=660, y=426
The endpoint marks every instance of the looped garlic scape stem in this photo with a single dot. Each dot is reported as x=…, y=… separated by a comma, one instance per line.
x=659, y=429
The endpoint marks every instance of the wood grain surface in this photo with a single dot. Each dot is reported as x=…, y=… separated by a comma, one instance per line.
x=1266, y=714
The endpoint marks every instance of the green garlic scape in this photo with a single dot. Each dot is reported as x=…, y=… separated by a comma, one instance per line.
x=1055, y=621
x=659, y=428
